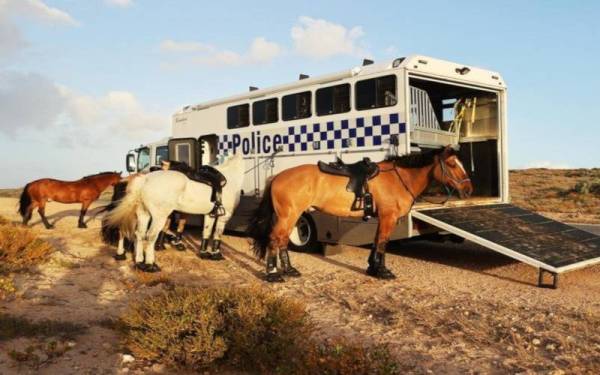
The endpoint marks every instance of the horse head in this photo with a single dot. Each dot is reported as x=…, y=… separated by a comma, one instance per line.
x=450, y=171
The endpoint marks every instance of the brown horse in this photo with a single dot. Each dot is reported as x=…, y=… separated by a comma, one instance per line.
x=84, y=191
x=296, y=190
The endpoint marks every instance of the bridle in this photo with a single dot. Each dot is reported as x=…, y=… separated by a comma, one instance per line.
x=445, y=174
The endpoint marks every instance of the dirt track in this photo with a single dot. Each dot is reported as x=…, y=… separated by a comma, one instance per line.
x=453, y=308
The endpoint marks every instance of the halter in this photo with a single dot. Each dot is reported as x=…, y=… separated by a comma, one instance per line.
x=445, y=173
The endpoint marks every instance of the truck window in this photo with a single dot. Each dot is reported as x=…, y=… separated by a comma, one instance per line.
x=162, y=153
x=376, y=93
x=296, y=106
x=182, y=153
x=333, y=99
x=238, y=116
x=143, y=160
x=265, y=111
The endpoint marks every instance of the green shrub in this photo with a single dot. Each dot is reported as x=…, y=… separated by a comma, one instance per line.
x=249, y=329
x=193, y=328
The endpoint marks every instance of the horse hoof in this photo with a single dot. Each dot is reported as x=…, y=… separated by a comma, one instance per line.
x=217, y=256
x=274, y=277
x=82, y=226
x=204, y=255
x=381, y=273
x=180, y=247
x=151, y=268
x=292, y=272
x=119, y=257
x=50, y=226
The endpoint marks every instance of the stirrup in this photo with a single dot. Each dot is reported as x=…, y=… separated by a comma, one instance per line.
x=218, y=210
x=357, y=205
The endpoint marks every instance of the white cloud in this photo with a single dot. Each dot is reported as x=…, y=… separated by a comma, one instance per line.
x=11, y=38
x=32, y=105
x=320, y=39
x=37, y=9
x=546, y=164
x=119, y=3
x=261, y=51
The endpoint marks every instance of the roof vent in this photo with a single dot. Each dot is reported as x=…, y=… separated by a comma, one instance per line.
x=367, y=62
x=303, y=76
x=462, y=71
x=253, y=88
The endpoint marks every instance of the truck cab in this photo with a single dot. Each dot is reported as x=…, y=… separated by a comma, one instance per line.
x=146, y=156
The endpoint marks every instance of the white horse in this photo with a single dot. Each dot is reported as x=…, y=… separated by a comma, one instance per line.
x=157, y=194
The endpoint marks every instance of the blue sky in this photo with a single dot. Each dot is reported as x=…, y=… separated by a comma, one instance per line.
x=82, y=82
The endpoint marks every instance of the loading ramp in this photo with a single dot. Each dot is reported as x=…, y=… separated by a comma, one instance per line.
x=551, y=246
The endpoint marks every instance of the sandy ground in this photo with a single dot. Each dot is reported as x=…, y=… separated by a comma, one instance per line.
x=452, y=309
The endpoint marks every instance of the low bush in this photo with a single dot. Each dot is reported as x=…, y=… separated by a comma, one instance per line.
x=588, y=187
x=248, y=329
x=20, y=247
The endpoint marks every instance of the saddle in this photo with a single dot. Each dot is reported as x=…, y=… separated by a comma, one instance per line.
x=206, y=175
x=359, y=174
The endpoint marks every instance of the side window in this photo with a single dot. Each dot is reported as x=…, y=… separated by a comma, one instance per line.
x=238, y=116
x=296, y=106
x=182, y=153
x=333, y=99
x=143, y=160
x=376, y=93
x=162, y=153
x=265, y=111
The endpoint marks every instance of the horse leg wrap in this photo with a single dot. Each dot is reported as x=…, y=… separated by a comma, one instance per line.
x=368, y=206
x=160, y=242
x=377, y=266
x=286, y=265
x=178, y=242
x=273, y=276
x=204, y=253
x=215, y=253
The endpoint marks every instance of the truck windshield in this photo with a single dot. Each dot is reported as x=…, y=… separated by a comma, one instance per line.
x=162, y=153
x=143, y=160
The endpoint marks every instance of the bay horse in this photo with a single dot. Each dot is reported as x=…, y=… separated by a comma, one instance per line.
x=85, y=191
x=155, y=195
x=299, y=189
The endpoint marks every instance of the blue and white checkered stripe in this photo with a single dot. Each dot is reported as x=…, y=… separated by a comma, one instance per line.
x=358, y=132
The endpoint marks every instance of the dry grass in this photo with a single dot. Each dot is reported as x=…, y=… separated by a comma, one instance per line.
x=248, y=329
x=20, y=247
x=571, y=195
x=11, y=193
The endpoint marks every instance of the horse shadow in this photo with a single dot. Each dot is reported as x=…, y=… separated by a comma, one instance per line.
x=467, y=256
x=91, y=214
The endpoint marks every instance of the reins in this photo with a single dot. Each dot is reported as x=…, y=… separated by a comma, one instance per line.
x=449, y=191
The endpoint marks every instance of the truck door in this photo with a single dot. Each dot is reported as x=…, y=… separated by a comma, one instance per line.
x=185, y=150
x=209, y=149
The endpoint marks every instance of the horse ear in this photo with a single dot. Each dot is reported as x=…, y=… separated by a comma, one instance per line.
x=448, y=151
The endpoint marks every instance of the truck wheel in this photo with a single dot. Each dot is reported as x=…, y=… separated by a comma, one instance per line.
x=304, y=236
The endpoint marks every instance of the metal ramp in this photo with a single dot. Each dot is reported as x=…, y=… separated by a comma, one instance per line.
x=549, y=245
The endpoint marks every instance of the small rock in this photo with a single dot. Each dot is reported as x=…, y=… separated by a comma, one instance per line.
x=127, y=358
x=528, y=329
x=158, y=367
x=71, y=344
x=536, y=342
x=550, y=347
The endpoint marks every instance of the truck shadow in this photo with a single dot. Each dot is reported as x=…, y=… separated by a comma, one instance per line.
x=467, y=256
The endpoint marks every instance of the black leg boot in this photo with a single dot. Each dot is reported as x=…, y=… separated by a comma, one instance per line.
x=286, y=265
x=204, y=253
x=273, y=276
x=159, y=245
x=178, y=242
x=216, y=254
x=377, y=266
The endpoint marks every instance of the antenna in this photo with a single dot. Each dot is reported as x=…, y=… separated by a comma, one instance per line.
x=303, y=76
x=253, y=88
x=367, y=62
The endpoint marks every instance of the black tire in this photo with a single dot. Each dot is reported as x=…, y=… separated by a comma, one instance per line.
x=306, y=241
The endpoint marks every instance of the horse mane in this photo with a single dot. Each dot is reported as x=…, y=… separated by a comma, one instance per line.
x=416, y=160
x=99, y=174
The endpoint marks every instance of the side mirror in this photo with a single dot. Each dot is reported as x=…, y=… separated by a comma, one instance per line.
x=130, y=163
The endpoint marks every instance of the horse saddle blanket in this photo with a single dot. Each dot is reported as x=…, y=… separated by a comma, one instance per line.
x=359, y=173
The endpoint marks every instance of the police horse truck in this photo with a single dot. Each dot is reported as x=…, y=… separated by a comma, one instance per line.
x=408, y=105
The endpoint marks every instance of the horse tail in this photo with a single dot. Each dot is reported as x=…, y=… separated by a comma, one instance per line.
x=123, y=215
x=110, y=235
x=25, y=201
x=261, y=225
